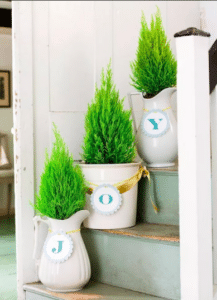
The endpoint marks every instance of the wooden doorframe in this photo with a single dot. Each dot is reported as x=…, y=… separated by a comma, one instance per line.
x=23, y=141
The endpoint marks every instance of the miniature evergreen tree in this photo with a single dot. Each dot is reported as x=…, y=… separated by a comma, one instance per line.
x=109, y=135
x=155, y=67
x=62, y=189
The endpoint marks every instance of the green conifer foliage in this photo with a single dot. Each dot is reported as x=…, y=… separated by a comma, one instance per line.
x=62, y=189
x=109, y=137
x=155, y=66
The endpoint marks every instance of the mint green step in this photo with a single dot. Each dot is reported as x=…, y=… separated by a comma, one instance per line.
x=93, y=290
x=144, y=258
x=164, y=191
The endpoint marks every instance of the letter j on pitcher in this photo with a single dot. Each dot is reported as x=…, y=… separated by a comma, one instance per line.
x=58, y=247
x=155, y=123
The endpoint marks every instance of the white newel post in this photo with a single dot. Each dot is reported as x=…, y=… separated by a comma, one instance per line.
x=194, y=165
x=23, y=142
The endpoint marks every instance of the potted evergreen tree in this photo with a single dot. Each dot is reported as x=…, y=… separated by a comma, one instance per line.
x=64, y=264
x=108, y=152
x=154, y=75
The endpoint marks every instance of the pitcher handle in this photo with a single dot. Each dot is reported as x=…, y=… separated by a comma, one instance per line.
x=37, y=220
x=173, y=102
x=131, y=106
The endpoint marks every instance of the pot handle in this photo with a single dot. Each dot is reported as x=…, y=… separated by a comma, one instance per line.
x=131, y=106
x=37, y=249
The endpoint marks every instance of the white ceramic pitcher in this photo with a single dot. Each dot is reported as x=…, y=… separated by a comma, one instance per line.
x=156, y=137
x=73, y=273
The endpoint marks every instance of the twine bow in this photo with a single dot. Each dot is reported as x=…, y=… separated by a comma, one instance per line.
x=68, y=232
x=147, y=110
x=129, y=183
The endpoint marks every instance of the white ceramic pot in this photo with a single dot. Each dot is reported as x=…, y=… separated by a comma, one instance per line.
x=73, y=273
x=157, y=133
x=99, y=174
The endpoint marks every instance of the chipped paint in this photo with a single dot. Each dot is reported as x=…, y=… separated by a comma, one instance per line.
x=16, y=134
x=23, y=142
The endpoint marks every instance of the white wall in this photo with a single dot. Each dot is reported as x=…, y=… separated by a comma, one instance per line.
x=6, y=114
x=209, y=18
x=72, y=46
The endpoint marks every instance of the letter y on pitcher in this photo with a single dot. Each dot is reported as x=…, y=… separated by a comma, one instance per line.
x=155, y=123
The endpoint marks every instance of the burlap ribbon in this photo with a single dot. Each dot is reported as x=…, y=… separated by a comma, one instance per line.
x=129, y=183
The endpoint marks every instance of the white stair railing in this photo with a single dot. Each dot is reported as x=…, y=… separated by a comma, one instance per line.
x=193, y=110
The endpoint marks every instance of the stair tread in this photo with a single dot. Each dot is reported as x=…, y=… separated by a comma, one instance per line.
x=160, y=232
x=168, y=169
x=93, y=290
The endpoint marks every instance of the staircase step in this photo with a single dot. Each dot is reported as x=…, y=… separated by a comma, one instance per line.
x=173, y=169
x=144, y=258
x=164, y=192
x=160, y=232
x=94, y=290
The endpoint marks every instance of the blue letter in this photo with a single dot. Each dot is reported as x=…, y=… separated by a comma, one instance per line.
x=105, y=199
x=154, y=123
x=59, y=247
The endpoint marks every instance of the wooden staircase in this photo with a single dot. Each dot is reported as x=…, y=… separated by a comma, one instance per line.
x=142, y=262
x=94, y=290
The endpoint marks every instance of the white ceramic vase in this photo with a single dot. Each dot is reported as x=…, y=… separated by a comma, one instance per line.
x=99, y=174
x=157, y=133
x=75, y=272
